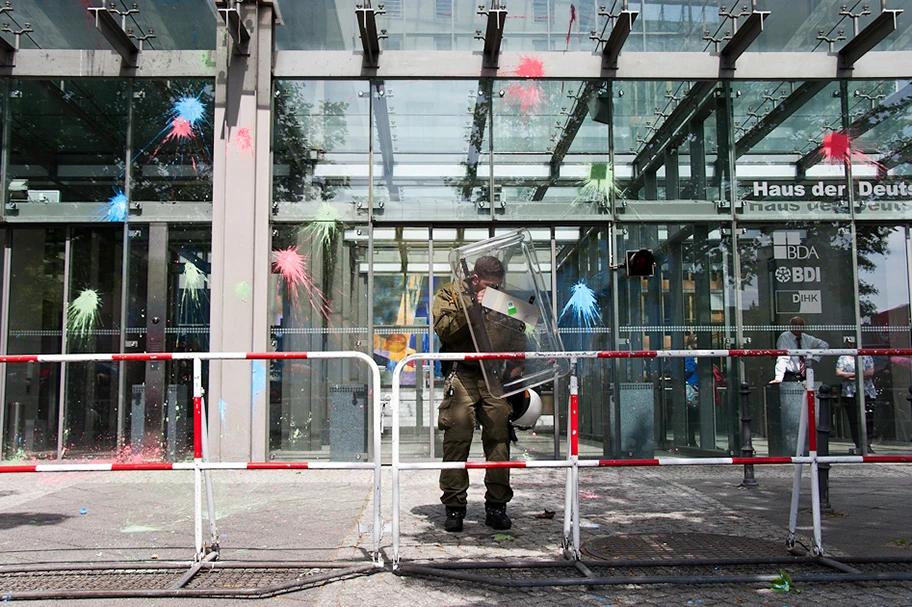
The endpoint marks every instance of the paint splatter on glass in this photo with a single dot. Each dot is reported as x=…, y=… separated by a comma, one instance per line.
x=292, y=267
x=582, y=306
x=116, y=208
x=325, y=225
x=82, y=313
x=527, y=95
x=599, y=185
x=837, y=148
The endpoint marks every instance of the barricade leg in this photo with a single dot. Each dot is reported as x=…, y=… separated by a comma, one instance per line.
x=815, y=470
x=197, y=457
x=207, y=477
x=568, y=510
x=573, y=423
x=796, y=485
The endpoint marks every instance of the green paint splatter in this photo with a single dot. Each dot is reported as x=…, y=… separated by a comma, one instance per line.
x=784, y=583
x=82, y=313
x=208, y=61
x=138, y=529
x=503, y=537
x=242, y=291
x=600, y=184
x=324, y=226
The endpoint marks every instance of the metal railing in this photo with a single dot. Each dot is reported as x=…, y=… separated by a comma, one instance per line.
x=201, y=466
x=571, y=540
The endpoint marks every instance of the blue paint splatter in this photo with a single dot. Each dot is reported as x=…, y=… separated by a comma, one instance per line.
x=583, y=306
x=117, y=207
x=190, y=109
x=223, y=408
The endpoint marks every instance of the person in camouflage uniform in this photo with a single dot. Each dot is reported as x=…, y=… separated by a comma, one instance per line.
x=467, y=398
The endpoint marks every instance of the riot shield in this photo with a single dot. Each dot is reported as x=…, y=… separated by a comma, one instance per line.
x=512, y=316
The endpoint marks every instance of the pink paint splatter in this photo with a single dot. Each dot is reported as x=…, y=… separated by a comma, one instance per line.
x=527, y=96
x=292, y=266
x=243, y=142
x=530, y=67
x=837, y=147
x=588, y=495
x=180, y=129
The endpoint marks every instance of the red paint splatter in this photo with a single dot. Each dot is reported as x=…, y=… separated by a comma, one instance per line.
x=527, y=96
x=570, y=27
x=243, y=142
x=837, y=147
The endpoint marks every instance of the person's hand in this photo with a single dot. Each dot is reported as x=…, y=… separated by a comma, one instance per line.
x=775, y=381
x=479, y=295
x=850, y=377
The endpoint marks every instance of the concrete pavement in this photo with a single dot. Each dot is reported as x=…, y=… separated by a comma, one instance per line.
x=314, y=515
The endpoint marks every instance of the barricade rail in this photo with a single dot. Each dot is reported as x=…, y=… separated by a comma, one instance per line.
x=571, y=539
x=201, y=466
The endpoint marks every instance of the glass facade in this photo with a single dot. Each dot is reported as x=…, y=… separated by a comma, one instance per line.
x=292, y=198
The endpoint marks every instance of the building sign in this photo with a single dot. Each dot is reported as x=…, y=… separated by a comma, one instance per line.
x=821, y=197
x=795, y=262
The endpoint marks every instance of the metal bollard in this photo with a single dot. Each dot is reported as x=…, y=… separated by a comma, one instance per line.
x=747, y=448
x=823, y=446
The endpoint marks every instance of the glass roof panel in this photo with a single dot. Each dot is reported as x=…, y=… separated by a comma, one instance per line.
x=68, y=24
x=564, y=25
x=795, y=26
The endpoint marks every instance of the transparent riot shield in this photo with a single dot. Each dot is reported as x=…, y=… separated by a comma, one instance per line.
x=509, y=314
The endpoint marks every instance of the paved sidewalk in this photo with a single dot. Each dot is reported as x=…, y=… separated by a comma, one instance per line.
x=313, y=515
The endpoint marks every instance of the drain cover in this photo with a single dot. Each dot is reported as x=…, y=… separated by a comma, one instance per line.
x=678, y=546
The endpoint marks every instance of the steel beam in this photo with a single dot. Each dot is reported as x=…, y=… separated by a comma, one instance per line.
x=479, y=126
x=777, y=116
x=116, y=36
x=496, y=18
x=236, y=28
x=616, y=39
x=580, y=65
x=742, y=39
x=568, y=134
x=370, y=36
x=385, y=137
x=882, y=26
x=653, y=151
x=7, y=53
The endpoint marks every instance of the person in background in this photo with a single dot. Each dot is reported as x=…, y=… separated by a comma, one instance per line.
x=692, y=392
x=791, y=368
x=845, y=370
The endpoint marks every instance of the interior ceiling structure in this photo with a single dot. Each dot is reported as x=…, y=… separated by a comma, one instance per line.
x=533, y=26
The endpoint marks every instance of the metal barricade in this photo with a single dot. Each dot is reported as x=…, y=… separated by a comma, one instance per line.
x=571, y=541
x=201, y=466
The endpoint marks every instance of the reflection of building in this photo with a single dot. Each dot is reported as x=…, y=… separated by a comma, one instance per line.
x=370, y=175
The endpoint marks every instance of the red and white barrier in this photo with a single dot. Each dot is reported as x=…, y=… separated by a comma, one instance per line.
x=807, y=431
x=200, y=466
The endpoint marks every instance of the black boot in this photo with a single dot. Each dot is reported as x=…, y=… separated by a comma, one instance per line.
x=496, y=516
x=454, y=516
